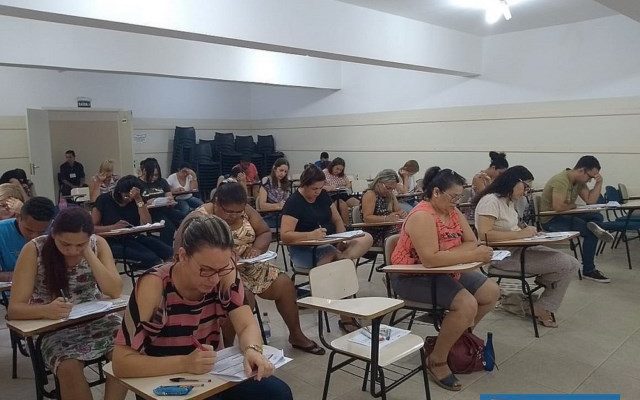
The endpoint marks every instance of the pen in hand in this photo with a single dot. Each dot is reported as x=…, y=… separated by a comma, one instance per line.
x=197, y=344
x=63, y=296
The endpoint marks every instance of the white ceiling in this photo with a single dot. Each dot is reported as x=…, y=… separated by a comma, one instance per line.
x=527, y=14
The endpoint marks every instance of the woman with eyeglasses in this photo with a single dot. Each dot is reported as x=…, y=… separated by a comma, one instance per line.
x=172, y=323
x=379, y=204
x=122, y=208
x=252, y=237
x=436, y=234
x=497, y=220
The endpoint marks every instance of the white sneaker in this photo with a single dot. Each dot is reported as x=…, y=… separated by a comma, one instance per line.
x=600, y=233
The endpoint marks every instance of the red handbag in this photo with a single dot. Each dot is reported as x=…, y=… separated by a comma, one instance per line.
x=466, y=354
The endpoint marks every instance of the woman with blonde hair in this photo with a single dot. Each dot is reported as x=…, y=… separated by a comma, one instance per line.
x=379, y=204
x=12, y=197
x=104, y=181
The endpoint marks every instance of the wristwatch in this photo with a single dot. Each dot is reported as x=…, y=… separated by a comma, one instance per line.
x=256, y=347
x=140, y=204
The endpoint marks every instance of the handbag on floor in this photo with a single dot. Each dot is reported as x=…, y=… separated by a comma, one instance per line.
x=466, y=354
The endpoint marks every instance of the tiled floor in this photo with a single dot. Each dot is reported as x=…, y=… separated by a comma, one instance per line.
x=595, y=349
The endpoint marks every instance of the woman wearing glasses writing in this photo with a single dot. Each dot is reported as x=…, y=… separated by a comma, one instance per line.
x=379, y=204
x=497, y=219
x=436, y=234
x=178, y=303
x=251, y=237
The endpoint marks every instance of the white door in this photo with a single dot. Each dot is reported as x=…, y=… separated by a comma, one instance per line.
x=40, y=153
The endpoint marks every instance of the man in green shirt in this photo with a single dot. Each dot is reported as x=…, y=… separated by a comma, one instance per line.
x=560, y=194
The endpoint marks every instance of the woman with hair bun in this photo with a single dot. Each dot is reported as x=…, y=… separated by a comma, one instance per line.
x=436, y=234
x=482, y=179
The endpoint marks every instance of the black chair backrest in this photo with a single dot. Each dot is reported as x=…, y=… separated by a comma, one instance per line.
x=224, y=142
x=184, y=134
x=245, y=144
x=266, y=144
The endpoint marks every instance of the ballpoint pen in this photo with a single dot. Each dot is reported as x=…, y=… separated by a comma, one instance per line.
x=63, y=296
x=180, y=379
x=197, y=344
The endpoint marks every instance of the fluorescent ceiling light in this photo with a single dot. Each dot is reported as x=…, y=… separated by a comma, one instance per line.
x=495, y=10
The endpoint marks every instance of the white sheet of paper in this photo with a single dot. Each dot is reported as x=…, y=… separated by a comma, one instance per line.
x=230, y=362
x=88, y=308
x=365, y=340
x=269, y=255
x=499, y=255
x=345, y=235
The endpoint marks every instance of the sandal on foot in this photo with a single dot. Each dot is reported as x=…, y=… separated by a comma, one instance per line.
x=313, y=348
x=547, y=321
x=349, y=326
x=449, y=382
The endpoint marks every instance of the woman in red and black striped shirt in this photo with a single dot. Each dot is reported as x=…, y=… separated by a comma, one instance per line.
x=175, y=303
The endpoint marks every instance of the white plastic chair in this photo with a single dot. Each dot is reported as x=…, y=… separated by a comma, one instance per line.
x=330, y=284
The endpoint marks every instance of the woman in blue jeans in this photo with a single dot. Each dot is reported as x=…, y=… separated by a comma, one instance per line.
x=123, y=208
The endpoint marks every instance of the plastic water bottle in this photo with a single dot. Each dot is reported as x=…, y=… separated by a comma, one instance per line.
x=489, y=354
x=62, y=204
x=266, y=325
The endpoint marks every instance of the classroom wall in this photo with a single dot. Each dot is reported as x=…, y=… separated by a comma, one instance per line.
x=546, y=137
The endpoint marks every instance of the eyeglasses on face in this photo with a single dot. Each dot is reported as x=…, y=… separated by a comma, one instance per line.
x=454, y=198
x=527, y=187
x=209, y=272
x=231, y=212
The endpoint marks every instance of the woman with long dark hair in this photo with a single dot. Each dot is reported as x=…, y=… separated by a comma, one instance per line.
x=436, y=234
x=497, y=219
x=274, y=192
x=71, y=265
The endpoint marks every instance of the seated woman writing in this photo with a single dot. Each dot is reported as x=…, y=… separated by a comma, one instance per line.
x=379, y=204
x=497, y=219
x=183, y=183
x=436, y=234
x=184, y=301
x=310, y=215
x=274, y=192
x=71, y=265
x=252, y=237
x=123, y=208
x=339, y=187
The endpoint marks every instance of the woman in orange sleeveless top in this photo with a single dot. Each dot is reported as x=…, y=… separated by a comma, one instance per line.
x=436, y=234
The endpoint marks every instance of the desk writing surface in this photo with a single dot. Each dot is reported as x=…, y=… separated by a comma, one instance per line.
x=376, y=224
x=574, y=211
x=533, y=242
x=144, y=386
x=630, y=205
x=32, y=327
x=156, y=226
x=359, y=307
x=319, y=242
x=420, y=269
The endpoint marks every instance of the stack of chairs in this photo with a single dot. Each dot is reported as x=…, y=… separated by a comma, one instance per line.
x=266, y=147
x=184, y=143
x=208, y=169
x=225, y=147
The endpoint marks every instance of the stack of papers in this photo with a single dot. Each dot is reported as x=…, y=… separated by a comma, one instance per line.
x=160, y=201
x=363, y=336
x=88, y=308
x=499, y=255
x=549, y=235
x=230, y=362
x=269, y=255
x=345, y=235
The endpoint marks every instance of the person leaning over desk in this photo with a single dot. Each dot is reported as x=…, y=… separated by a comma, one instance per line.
x=176, y=302
x=71, y=265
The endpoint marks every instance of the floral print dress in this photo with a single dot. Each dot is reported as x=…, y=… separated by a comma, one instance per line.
x=84, y=342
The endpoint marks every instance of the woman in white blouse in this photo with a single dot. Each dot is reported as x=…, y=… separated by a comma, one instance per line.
x=497, y=219
x=183, y=183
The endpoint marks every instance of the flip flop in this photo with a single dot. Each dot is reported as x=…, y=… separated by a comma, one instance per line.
x=449, y=382
x=313, y=348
